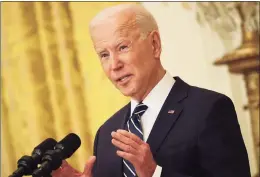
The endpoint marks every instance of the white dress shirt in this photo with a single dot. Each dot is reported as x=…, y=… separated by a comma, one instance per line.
x=154, y=100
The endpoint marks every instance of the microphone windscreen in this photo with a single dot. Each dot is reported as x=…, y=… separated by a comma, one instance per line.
x=44, y=146
x=68, y=145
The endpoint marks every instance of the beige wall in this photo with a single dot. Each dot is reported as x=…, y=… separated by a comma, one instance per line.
x=189, y=51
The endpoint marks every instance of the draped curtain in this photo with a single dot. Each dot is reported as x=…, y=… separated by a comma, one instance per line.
x=51, y=81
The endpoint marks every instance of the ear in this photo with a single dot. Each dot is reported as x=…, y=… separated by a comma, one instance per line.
x=156, y=44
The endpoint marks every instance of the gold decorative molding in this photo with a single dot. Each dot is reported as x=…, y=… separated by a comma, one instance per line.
x=252, y=86
x=246, y=57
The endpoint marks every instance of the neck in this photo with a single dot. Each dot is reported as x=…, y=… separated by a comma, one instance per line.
x=157, y=77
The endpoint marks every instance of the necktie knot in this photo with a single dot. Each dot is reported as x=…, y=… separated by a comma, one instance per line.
x=140, y=110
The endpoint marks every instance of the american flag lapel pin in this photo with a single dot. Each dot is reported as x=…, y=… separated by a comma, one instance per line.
x=171, y=111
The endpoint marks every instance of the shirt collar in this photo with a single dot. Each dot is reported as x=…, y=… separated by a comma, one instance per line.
x=157, y=96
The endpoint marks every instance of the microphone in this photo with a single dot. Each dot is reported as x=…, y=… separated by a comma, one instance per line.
x=27, y=164
x=52, y=159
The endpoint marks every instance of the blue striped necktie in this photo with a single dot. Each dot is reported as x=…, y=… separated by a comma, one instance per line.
x=134, y=126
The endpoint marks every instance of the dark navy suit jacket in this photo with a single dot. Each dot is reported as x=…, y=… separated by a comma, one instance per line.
x=202, y=138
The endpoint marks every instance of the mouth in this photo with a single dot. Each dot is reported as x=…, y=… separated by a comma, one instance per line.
x=124, y=79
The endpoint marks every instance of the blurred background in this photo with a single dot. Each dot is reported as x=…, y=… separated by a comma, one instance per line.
x=52, y=82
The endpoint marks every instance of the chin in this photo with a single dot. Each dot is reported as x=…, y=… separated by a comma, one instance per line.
x=127, y=92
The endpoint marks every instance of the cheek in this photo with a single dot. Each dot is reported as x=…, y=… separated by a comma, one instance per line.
x=143, y=65
x=144, y=70
x=106, y=69
x=142, y=59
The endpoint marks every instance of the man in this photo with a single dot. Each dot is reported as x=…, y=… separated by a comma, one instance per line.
x=169, y=128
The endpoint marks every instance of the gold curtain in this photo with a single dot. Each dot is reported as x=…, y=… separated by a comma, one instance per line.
x=51, y=82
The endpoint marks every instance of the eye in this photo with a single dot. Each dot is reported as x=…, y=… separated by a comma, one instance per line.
x=104, y=55
x=123, y=47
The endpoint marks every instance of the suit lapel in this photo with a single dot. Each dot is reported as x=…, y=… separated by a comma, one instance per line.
x=126, y=115
x=168, y=115
x=118, y=162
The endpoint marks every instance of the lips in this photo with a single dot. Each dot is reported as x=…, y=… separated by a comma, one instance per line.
x=123, y=79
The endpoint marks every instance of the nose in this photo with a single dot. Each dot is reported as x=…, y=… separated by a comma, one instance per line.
x=116, y=63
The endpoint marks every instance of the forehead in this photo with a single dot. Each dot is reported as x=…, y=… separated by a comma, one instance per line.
x=114, y=28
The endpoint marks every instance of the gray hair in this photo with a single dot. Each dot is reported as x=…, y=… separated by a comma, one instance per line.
x=143, y=18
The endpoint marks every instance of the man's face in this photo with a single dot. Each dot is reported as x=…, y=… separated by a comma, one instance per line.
x=126, y=58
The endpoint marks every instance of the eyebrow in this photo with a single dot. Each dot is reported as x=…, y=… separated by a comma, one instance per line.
x=121, y=41
x=118, y=43
x=99, y=51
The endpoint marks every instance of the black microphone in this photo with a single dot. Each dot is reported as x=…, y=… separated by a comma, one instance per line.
x=52, y=159
x=27, y=164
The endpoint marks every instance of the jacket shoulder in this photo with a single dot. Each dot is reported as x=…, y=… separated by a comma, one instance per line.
x=206, y=95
